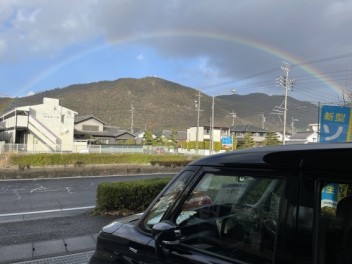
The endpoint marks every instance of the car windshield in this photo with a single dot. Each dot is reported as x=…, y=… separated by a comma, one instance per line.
x=174, y=191
x=103, y=103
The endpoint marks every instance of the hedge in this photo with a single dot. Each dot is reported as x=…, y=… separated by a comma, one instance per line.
x=79, y=159
x=128, y=196
x=170, y=163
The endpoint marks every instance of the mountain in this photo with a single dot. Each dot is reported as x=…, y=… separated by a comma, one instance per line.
x=159, y=104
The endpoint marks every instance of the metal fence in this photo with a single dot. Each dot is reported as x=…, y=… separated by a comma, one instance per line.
x=23, y=148
x=13, y=148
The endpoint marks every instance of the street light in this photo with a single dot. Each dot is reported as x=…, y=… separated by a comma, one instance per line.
x=212, y=118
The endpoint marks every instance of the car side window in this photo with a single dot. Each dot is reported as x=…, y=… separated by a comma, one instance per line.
x=335, y=223
x=233, y=216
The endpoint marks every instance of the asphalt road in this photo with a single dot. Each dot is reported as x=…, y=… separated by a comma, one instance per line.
x=46, y=229
x=44, y=195
x=28, y=208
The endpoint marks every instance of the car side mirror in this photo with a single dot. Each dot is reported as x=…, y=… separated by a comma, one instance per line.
x=166, y=235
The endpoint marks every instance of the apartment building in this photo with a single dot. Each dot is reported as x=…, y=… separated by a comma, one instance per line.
x=204, y=133
x=43, y=127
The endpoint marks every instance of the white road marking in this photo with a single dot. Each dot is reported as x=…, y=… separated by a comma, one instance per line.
x=69, y=189
x=15, y=191
x=49, y=211
x=41, y=188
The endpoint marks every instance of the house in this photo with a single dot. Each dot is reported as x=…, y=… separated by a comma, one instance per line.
x=43, y=127
x=258, y=134
x=204, y=133
x=95, y=130
x=89, y=123
x=303, y=138
x=180, y=135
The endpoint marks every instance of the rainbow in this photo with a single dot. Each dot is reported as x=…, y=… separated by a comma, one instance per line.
x=293, y=60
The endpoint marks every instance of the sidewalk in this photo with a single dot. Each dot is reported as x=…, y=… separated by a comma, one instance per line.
x=78, y=258
x=67, y=250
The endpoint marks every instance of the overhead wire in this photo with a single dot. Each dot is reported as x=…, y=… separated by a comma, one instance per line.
x=253, y=86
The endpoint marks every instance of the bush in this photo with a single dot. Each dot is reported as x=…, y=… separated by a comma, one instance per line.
x=170, y=163
x=128, y=196
x=79, y=159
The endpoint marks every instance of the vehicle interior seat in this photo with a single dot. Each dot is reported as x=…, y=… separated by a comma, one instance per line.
x=339, y=243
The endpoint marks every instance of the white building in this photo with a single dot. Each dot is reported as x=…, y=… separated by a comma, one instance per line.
x=42, y=127
x=204, y=133
x=303, y=138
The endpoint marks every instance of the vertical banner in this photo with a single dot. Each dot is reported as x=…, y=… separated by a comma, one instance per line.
x=329, y=195
x=335, y=124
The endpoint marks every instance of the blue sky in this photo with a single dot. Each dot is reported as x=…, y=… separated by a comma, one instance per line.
x=207, y=45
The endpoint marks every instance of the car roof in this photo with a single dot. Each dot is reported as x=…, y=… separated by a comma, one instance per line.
x=309, y=156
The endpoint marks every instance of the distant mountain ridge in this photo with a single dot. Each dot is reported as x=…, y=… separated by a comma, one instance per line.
x=159, y=104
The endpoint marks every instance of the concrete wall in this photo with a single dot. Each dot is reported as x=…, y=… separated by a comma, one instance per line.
x=192, y=134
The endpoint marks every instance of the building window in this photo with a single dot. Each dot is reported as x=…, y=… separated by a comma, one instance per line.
x=62, y=118
x=90, y=128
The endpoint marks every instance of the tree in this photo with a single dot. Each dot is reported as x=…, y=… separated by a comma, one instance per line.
x=148, y=138
x=271, y=139
x=130, y=141
x=173, y=138
x=159, y=141
x=346, y=99
x=248, y=141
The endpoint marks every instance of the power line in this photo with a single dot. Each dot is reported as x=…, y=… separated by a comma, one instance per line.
x=315, y=61
x=337, y=57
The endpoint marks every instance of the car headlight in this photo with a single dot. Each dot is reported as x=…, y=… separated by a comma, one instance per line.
x=112, y=227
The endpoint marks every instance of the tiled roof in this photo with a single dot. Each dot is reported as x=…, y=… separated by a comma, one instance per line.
x=247, y=128
x=109, y=132
x=79, y=119
x=181, y=135
x=301, y=135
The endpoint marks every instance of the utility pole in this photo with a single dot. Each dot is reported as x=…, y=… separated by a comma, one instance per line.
x=287, y=84
x=233, y=115
x=197, y=105
x=293, y=125
x=263, y=120
x=132, y=115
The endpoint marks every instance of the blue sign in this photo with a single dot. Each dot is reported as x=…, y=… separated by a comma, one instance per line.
x=335, y=124
x=226, y=141
x=329, y=195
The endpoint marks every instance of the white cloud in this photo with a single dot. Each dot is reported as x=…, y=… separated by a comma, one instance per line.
x=30, y=93
x=236, y=39
x=140, y=57
x=46, y=27
x=2, y=47
x=206, y=70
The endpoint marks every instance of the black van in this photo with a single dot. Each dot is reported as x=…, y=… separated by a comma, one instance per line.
x=285, y=204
